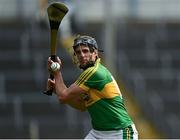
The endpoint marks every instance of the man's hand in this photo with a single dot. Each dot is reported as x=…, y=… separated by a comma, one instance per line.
x=54, y=66
x=50, y=84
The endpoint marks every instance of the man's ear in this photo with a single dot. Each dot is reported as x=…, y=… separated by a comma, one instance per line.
x=96, y=52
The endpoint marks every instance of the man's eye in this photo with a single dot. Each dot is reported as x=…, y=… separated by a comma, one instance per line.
x=85, y=51
x=78, y=52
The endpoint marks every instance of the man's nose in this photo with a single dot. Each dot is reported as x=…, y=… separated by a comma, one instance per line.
x=82, y=53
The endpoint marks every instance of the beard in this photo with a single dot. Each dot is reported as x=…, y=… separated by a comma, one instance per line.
x=87, y=65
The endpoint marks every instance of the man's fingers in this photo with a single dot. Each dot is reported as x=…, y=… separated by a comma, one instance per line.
x=51, y=81
x=53, y=68
x=49, y=62
x=50, y=84
x=58, y=60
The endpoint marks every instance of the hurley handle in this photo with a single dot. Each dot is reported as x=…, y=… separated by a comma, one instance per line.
x=51, y=76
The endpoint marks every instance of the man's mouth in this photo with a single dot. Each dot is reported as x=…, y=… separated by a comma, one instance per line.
x=83, y=61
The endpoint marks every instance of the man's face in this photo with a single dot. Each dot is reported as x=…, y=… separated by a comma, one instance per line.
x=84, y=55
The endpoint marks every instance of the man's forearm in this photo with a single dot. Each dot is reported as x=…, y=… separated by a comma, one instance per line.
x=77, y=104
x=59, y=85
x=61, y=88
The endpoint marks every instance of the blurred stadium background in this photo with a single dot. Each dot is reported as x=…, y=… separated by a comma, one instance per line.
x=141, y=40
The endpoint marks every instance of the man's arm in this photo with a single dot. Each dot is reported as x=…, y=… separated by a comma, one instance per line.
x=77, y=103
x=71, y=95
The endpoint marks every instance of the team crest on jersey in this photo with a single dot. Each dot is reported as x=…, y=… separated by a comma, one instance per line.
x=86, y=97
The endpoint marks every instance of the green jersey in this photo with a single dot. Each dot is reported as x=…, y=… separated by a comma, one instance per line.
x=103, y=99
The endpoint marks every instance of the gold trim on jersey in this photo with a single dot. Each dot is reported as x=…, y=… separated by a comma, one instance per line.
x=84, y=87
x=87, y=74
x=83, y=76
x=109, y=91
